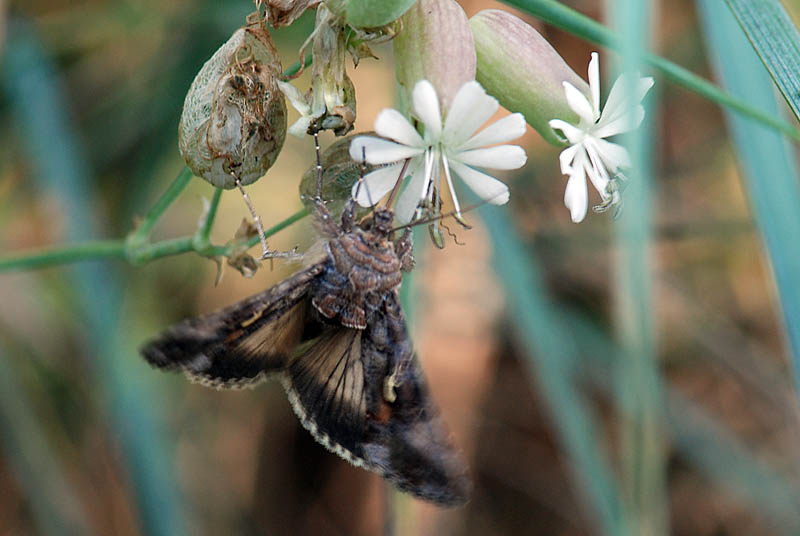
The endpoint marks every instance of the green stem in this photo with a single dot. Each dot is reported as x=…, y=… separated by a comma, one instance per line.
x=297, y=216
x=294, y=69
x=142, y=232
x=569, y=20
x=122, y=250
x=98, y=250
x=202, y=238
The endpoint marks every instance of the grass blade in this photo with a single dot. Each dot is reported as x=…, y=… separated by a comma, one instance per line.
x=768, y=164
x=551, y=351
x=776, y=40
x=698, y=438
x=54, y=508
x=59, y=165
x=568, y=19
x=638, y=383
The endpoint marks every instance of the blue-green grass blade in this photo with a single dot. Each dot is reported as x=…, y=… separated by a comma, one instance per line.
x=576, y=23
x=26, y=449
x=769, y=170
x=775, y=38
x=58, y=164
x=551, y=351
x=697, y=437
x=638, y=386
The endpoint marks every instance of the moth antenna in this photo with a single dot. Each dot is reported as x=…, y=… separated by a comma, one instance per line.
x=440, y=217
x=396, y=187
x=361, y=181
x=319, y=163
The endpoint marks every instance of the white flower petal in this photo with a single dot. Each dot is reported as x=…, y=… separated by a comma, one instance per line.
x=426, y=107
x=471, y=108
x=299, y=128
x=579, y=103
x=500, y=157
x=571, y=132
x=618, y=108
x=453, y=195
x=614, y=156
x=596, y=170
x=379, y=151
x=567, y=156
x=414, y=192
x=296, y=98
x=624, y=122
x=506, y=129
x=576, y=194
x=375, y=185
x=392, y=124
x=594, y=85
x=485, y=186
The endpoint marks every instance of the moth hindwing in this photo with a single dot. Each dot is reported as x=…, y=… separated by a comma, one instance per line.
x=335, y=335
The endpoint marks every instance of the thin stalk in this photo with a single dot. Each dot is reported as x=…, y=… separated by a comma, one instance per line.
x=144, y=229
x=289, y=73
x=578, y=24
x=121, y=250
x=297, y=216
x=203, y=236
x=88, y=251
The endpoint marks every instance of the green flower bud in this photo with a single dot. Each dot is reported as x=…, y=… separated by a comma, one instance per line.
x=375, y=13
x=435, y=44
x=234, y=117
x=339, y=173
x=523, y=71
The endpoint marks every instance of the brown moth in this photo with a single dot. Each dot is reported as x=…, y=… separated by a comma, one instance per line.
x=335, y=335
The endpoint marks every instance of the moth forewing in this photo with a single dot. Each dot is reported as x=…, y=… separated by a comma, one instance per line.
x=241, y=344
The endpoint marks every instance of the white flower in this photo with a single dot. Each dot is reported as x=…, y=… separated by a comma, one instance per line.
x=301, y=103
x=454, y=147
x=589, y=154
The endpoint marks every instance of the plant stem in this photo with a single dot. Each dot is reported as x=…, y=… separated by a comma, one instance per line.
x=123, y=250
x=567, y=19
x=297, y=216
x=98, y=250
x=294, y=69
x=202, y=237
x=142, y=232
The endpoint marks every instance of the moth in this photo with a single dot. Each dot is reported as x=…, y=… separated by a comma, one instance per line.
x=335, y=335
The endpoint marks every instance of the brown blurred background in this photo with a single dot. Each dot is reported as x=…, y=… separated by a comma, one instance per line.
x=239, y=461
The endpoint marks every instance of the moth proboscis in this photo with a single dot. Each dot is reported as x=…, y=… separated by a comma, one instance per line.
x=334, y=333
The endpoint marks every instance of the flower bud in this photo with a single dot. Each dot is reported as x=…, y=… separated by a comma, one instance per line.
x=523, y=71
x=339, y=173
x=435, y=44
x=234, y=116
x=375, y=13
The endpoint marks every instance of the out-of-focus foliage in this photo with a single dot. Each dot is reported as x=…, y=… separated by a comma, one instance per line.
x=94, y=442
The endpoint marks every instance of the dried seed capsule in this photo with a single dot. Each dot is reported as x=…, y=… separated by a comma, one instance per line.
x=234, y=117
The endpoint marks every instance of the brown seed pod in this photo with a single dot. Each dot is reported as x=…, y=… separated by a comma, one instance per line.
x=234, y=117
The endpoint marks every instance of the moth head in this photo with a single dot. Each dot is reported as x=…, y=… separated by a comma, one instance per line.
x=382, y=221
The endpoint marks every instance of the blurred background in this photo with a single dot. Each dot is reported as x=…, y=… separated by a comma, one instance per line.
x=93, y=441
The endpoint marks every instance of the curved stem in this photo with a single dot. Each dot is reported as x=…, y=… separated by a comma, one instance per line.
x=203, y=236
x=123, y=250
x=144, y=229
x=567, y=19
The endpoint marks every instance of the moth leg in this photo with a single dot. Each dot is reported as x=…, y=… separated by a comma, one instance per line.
x=404, y=248
x=348, y=215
